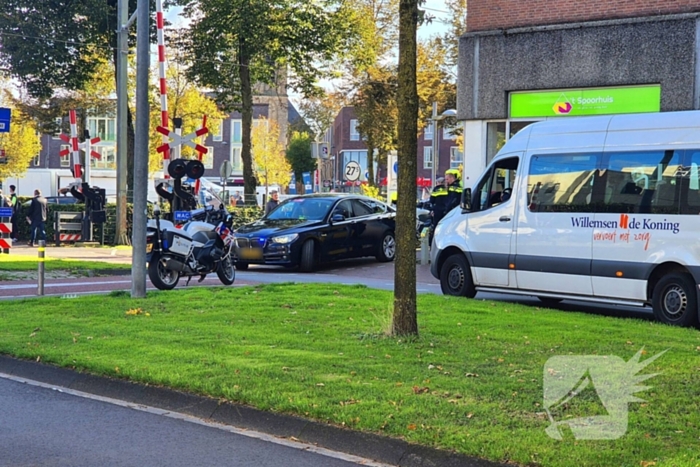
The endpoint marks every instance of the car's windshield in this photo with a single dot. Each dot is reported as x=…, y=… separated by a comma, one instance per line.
x=314, y=209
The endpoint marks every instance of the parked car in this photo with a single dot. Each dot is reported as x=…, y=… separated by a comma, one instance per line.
x=311, y=229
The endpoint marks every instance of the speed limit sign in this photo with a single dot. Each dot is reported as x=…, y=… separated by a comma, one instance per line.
x=352, y=171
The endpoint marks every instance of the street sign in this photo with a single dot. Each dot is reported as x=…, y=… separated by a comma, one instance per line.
x=5, y=115
x=352, y=171
x=5, y=212
x=225, y=170
x=396, y=167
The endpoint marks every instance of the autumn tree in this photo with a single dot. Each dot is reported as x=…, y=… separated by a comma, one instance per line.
x=271, y=165
x=320, y=111
x=376, y=111
x=258, y=41
x=21, y=144
x=299, y=156
x=405, y=321
x=187, y=102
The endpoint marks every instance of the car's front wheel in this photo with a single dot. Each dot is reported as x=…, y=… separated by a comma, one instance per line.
x=387, y=248
x=456, y=277
x=308, y=258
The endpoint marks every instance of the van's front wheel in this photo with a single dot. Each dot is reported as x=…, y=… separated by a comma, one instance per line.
x=675, y=300
x=456, y=277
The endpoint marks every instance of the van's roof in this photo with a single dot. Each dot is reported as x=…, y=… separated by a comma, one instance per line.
x=595, y=133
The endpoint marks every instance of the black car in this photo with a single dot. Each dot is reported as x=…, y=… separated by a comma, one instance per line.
x=306, y=230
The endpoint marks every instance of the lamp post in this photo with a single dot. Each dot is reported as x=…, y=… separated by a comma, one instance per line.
x=436, y=135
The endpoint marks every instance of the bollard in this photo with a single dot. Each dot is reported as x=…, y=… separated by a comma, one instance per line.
x=424, y=247
x=42, y=249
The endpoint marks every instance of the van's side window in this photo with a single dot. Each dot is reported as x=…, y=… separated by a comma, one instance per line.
x=497, y=185
x=642, y=182
x=690, y=182
x=562, y=182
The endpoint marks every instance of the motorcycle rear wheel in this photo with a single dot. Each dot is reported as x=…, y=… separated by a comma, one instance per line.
x=162, y=278
x=226, y=271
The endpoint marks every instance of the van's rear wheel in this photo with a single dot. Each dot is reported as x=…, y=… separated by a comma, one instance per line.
x=674, y=300
x=456, y=277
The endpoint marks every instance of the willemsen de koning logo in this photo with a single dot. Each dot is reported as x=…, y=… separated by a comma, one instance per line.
x=603, y=386
x=626, y=222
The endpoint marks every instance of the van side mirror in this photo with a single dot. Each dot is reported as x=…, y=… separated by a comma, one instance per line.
x=466, y=201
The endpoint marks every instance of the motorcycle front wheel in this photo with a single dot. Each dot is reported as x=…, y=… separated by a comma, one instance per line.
x=226, y=271
x=161, y=277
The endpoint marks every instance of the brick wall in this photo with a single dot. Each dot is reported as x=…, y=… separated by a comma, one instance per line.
x=486, y=15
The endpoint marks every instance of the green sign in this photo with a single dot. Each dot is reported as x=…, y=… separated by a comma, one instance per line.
x=577, y=102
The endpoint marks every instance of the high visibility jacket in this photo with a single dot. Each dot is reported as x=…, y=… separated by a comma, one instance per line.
x=444, y=199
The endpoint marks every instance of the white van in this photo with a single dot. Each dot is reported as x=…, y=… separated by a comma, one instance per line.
x=604, y=209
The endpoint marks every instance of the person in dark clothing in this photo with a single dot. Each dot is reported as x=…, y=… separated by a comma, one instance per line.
x=36, y=216
x=272, y=203
x=445, y=197
x=14, y=204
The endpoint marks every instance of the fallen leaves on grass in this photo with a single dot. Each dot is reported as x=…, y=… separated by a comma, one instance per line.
x=420, y=390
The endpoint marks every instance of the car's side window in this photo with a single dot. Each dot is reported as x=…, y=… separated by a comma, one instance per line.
x=361, y=209
x=344, y=208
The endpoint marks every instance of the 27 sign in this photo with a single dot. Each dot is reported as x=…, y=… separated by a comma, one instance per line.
x=352, y=171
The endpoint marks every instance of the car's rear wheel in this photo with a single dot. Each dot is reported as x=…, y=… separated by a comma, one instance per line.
x=456, y=277
x=308, y=258
x=387, y=248
x=674, y=300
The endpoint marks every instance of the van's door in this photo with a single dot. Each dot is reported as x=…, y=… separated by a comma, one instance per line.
x=553, y=242
x=490, y=225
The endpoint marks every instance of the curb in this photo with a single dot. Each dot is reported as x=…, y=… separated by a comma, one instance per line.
x=367, y=445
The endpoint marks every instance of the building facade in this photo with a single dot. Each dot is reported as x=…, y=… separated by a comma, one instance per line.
x=522, y=62
x=347, y=146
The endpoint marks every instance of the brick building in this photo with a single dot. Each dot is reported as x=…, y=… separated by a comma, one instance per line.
x=346, y=146
x=521, y=62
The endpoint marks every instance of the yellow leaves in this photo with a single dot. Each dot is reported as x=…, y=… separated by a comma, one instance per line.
x=349, y=402
x=647, y=463
x=420, y=390
x=411, y=427
x=471, y=375
x=136, y=311
x=271, y=164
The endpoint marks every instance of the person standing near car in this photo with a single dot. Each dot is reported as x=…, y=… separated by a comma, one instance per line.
x=36, y=216
x=14, y=204
x=445, y=197
x=272, y=203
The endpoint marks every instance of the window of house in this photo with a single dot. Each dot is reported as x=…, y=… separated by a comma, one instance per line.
x=218, y=134
x=449, y=133
x=456, y=157
x=59, y=123
x=236, y=161
x=108, y=157
x=428, y=132
x=208, y=158
x=428, y=157
x=236, y=131
x=65, y=160
x=354, y=134
x=102, y=127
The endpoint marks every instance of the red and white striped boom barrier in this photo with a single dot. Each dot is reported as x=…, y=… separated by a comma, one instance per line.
x=163, y=86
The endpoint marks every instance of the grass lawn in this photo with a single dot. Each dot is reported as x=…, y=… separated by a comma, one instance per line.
x=30, y=263
x=472, y=381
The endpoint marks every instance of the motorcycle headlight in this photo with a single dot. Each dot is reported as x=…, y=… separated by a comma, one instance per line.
x=284, y=239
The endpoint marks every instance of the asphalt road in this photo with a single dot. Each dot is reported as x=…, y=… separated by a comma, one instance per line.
x=43, y=426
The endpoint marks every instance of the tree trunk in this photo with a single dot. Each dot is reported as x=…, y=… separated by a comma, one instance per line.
x=370, y=162
x=405, y=321
x=130, y=145
x=247, y=125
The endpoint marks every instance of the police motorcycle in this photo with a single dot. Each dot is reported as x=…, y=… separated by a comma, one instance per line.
x=201, y=245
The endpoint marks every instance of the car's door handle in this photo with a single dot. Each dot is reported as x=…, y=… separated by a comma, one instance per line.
x=504, y=219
